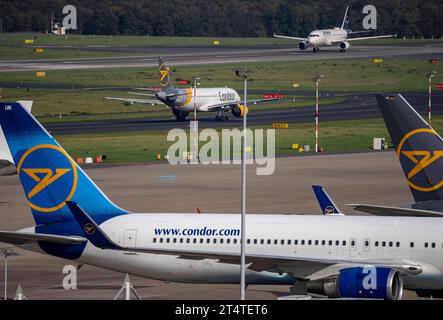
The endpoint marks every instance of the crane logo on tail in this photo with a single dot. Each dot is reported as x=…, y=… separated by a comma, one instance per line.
x=49, y=177
x=421, y=164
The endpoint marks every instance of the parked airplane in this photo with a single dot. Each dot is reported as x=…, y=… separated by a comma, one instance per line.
x=224, y=101
x=330, y=37
x=336, y=256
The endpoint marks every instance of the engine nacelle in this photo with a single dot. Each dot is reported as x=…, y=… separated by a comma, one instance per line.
x=344, y=45
x=366, y=282
x=302, y=45
x=239, y=110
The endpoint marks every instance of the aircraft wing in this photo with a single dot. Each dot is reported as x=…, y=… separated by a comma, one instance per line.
x=394, y=211
x=287, y=37
x=20, y=238
x=133, y=101
x=215, y=107
x=373, y=37
x=296, y=266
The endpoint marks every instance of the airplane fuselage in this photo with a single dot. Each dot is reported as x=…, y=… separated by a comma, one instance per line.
x=327, y=37
x=417, y=240
x=201, y=98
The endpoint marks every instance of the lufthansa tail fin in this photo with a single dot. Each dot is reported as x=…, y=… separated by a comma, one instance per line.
x=164, y=72
x=327, y=206
x=49, y=176
x=419, y=148
x=345, y=24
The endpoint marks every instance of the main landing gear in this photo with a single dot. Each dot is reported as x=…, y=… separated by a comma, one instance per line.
x=223, y=115
x=180, y=116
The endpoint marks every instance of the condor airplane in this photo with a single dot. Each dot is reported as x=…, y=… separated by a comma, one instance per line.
x=333, y=255
x=224, y=101
x=331, y=37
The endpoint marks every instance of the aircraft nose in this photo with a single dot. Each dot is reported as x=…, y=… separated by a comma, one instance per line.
x=161, y=95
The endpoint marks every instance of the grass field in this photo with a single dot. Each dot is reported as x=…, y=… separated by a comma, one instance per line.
x=340, y=75
x=128, y=147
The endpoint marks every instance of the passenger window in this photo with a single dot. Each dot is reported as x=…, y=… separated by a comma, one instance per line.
x=366, y=243
x=235, y=241
x=181, y=240
x=323, y=242
x=168, y=240
x=383, y=244
x=376, y=243
x=426, y=244
x=397, y=244
x=161, y=240
x=433, y=244
x=275, y=241
x=330, y=242
x=303, y=242
x=174, y=240
x=411, y=244
x=353, y=243
x=255, y=241
x=344, y=243
x=296, y=242
x=262, y=241
x=194, y=240
x=337, y=243
x=214, y=241
x=390, y=243
x=221, y=241
x=309, y=242
x=248, y=241
x=316, y=242
x=228, y=241
x=269, y=241
x=154, y=240
x=289, y=242
x=282, y=242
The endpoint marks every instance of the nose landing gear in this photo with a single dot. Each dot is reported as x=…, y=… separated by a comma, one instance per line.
x=315, y=49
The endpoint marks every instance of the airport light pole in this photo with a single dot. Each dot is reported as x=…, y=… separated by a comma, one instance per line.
x=430, y=76
x=243, y=75
x=317, y=79
x=194, y=123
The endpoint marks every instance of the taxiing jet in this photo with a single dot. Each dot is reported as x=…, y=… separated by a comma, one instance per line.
x=331, y=37
x=224, y=101
x=332, y=255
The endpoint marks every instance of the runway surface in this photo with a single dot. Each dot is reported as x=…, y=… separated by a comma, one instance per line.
x=356, y=106
x=179, y=56
x=353, y=178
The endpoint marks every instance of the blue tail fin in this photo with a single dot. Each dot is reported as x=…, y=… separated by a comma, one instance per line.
x=48, y=174
x=327, y=206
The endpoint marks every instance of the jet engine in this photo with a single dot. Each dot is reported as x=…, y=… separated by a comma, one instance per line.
x=366, y=282
x=302, y=45
x=344, y=45
x=239, y=110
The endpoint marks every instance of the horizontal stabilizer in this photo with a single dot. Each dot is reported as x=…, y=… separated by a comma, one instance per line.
x=394, y=211
x=20, y=238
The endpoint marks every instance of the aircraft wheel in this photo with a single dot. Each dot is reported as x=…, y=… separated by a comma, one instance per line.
x=217, y=118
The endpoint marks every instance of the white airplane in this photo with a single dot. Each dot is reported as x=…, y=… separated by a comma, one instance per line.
x=224, y=101
x=332, y=255
x=331, y=37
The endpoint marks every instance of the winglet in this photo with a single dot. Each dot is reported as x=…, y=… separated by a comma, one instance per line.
x=327, y=206
x=92, y=231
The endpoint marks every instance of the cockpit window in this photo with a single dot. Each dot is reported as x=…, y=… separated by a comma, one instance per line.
x=314, y=35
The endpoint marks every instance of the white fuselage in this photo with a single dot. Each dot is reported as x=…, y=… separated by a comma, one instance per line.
x=326, y=237
x=327, y=37
x=204, y=98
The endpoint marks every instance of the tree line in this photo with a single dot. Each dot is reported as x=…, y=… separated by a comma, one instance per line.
x=222, y=18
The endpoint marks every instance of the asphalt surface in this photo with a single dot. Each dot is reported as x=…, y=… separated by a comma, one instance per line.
x=356, y=106
x=179, y=56
x=373, y=178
